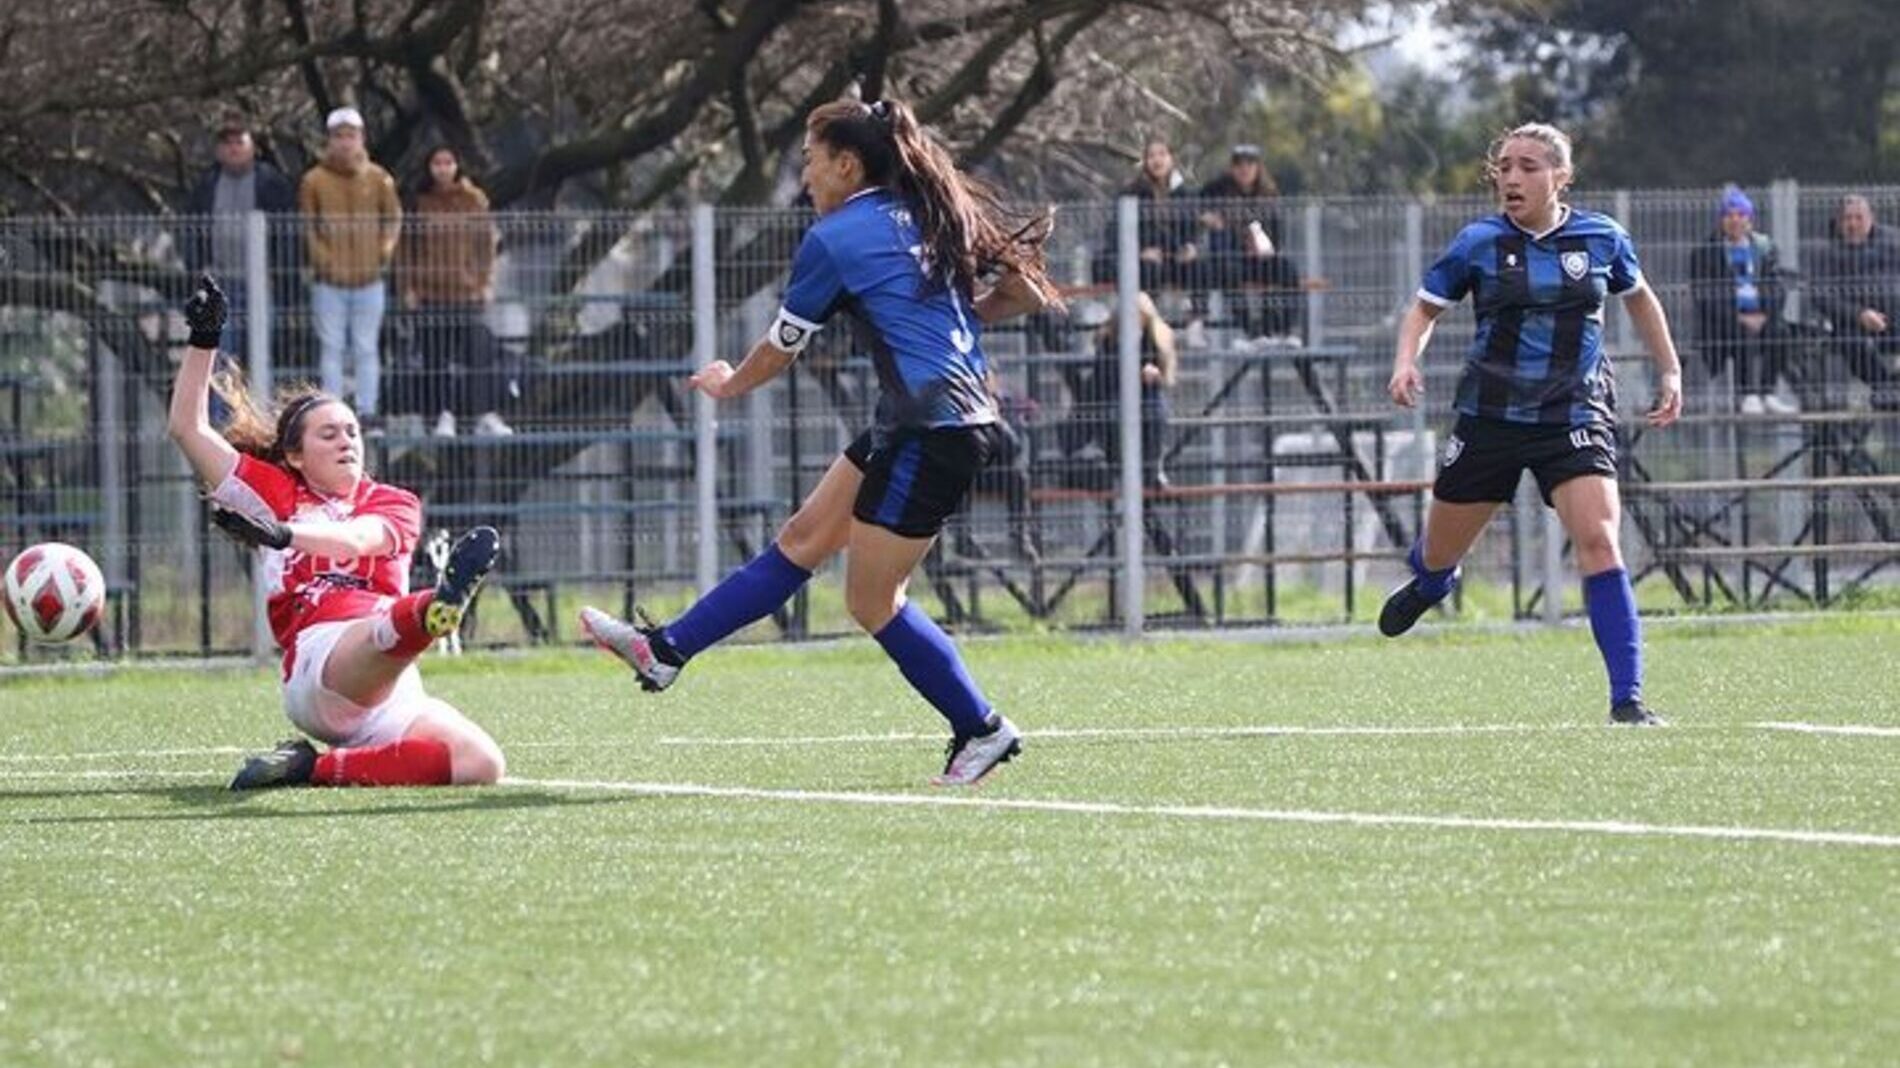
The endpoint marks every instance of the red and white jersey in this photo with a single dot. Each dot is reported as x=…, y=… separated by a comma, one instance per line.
x=304, y=589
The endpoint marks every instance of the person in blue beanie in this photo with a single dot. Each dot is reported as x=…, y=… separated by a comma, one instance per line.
x=1736, y=278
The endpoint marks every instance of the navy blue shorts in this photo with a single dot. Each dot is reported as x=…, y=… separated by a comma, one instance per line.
x=915, y=480
x=1485, y=458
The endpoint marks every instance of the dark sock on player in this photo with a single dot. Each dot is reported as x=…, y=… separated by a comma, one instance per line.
x=929, y=660
x=1619, y=631
x=409, y=762
x=1434, y=585
x=741, y=598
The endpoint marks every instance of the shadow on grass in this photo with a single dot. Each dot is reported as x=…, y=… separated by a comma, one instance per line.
x=204, y=803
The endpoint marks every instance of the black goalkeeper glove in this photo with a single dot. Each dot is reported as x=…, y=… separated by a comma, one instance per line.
x=204, y=313
x=261, y=533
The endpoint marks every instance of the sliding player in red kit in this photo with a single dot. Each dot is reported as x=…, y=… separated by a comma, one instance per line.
x=335, y=548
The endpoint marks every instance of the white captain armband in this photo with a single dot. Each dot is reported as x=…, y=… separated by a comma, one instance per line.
x=789, y=333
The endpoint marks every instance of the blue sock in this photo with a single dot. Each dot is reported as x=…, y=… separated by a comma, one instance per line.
x=745, y=596
x=1435, y=585
x=1619, y=633
x=930, y=662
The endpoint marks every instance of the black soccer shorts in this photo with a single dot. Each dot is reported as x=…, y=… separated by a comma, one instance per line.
x=1484, y=458
x=915, y=480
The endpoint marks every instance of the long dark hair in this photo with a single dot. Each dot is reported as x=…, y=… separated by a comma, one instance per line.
x=267, y=435
x=424, y=180
x=966, y=229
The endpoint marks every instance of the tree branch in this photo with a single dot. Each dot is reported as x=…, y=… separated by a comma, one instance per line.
x=1042, y=81
x=754, y=25
x=307, y=63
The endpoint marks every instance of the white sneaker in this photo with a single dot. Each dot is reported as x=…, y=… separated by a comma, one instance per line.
x=444, y=424
x=633, y=645
x=1777, y=406
x=973, y=758
x=1751, y=404
x=490, y=425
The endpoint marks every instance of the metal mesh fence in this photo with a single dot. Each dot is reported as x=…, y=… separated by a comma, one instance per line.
x=528, y=370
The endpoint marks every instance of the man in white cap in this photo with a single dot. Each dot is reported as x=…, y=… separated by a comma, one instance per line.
x=353, y=218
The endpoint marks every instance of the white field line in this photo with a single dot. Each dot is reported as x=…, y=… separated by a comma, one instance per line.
x=117, y=754
x=1198, y=812
x=1142, y=732
x=1832, y=728
x=95, y=773
x=1043, y=733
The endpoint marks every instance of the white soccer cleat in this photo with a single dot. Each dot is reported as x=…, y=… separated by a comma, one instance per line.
x=974, y=757
x=633, y=645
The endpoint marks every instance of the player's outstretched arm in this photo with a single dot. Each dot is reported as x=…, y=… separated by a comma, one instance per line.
x=189, y=423
x=1652, y=325
x=1415, y=332
x=351, y=539
x=720, y=380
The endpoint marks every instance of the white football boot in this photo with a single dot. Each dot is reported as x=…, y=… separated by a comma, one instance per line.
x=632, y=644
x=973, y=757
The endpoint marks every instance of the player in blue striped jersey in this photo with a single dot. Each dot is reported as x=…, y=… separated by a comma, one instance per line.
x=903, y=244
x=1537, y=391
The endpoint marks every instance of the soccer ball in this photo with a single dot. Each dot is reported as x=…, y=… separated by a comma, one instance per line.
x=54, y=592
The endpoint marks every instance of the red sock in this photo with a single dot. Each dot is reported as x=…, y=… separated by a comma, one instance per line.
x=410, y=762
x=401, y=632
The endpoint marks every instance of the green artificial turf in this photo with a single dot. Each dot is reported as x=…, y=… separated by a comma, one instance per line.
x=1200, y=903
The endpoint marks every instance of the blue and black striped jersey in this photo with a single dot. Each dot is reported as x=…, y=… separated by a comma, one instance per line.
x=866, y=258
x=1538, y=354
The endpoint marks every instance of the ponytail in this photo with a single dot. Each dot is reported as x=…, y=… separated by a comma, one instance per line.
x=966, y=230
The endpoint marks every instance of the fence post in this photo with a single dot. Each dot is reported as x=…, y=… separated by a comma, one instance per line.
x=705, y=424
x=1784, y=197
x=1315, y=270
x=257, y=323
x=115, y=497
x=1792, y=513
x=1553, y=565
x=1620, y=321
x=1128, y=333
x=1414, y=268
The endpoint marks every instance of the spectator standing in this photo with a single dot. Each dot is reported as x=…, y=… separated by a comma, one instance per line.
x=226, y=193
x=448, y=279
x=1244, y=251
x=352, y=218
x=1857, y=290
x=1738, y=299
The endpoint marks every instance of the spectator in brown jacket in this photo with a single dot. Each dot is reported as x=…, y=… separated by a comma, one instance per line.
x=447, y=274
x=352, y=218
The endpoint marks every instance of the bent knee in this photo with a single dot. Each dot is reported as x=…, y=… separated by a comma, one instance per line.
x=477, y=765
x=1597, y=551
x=871, y=609
x=809, y=541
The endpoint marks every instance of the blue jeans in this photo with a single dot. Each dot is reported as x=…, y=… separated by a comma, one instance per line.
x=350, y=320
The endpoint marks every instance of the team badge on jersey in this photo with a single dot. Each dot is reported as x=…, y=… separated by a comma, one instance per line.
x=1576, y=265
x=789, y=336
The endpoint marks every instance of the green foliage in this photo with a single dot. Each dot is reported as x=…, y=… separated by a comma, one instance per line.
x=1696, y=92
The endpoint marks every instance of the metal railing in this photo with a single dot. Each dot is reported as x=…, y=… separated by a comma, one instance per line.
x=1266, y=480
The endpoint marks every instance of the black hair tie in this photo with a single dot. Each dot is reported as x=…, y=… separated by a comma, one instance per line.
x=881, y=111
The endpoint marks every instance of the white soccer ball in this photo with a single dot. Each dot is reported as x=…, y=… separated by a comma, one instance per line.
x=54, y=592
